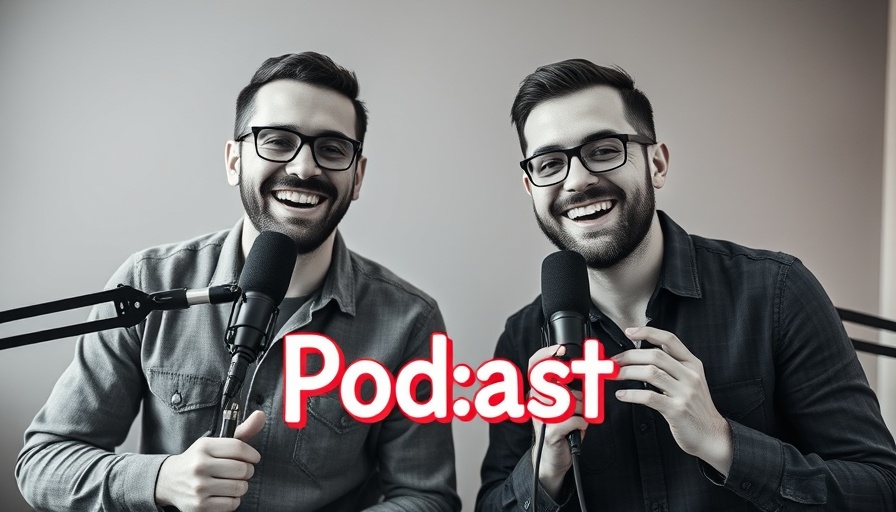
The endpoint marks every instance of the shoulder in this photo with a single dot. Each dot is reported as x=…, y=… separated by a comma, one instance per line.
x=732, y=252
x=526, y=317
x=187, y=264
x=522, y=334
x=373, y=278
x=201, y=246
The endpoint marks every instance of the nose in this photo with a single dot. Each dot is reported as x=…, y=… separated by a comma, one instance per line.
x=579, y=178
x=303, y=165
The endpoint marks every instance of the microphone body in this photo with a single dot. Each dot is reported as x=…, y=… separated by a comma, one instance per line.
x=566, y=302
x=264, y=281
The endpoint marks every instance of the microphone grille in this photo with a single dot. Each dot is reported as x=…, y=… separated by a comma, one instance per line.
x=564, y=284
x=269, y=265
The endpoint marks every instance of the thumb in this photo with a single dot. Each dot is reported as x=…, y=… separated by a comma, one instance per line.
x=253, y=425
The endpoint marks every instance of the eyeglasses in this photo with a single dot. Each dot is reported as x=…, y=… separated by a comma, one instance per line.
x=330, y=152
x=600, y=155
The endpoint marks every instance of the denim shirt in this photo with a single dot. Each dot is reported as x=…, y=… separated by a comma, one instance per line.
x=806, y=428
x=173, y=364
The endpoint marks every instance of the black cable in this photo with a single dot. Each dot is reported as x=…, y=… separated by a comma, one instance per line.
x=537, y=464
x=578, y=476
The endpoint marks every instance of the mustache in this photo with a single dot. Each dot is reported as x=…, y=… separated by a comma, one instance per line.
x=604, y=190
x=315, y=184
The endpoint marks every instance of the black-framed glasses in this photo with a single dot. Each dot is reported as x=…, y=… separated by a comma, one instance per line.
x=281, y=145
x=599, y=155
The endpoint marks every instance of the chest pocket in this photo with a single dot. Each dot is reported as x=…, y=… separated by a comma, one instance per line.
x=185, y=400
x=741, y=401
x=331, y=445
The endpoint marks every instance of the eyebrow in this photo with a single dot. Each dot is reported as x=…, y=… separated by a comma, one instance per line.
x=322, y=133
x=602, y=134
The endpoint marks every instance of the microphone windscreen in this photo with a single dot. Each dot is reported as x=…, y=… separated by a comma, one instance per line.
x=269, y=265
x=564, y=284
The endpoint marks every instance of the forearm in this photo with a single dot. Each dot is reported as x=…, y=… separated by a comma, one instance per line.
x=514, y=493
x=772, y=474
x=56, y=474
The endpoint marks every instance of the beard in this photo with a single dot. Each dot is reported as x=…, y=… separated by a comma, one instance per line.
x=635, y=217
x=308, y=235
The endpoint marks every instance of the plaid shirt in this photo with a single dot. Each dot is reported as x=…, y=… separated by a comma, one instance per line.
x=806, y=427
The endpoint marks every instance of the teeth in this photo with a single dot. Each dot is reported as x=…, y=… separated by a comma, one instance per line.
x=297, y=197
x=582, y=211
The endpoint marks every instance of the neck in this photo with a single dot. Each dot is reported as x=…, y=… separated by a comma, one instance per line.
x=311, y=268
x=623, y=290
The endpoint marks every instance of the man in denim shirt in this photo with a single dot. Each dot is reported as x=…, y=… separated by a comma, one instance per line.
x=738, y=388
x=296, y=158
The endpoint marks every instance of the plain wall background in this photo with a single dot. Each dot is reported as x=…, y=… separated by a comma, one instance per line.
x=115, y=117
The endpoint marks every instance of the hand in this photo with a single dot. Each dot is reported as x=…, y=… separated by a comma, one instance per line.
x=212, y=473
x=555, y=457
x=683, y=398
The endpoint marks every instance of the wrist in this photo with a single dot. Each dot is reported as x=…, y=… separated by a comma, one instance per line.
x=549, y=477
x=719, y=451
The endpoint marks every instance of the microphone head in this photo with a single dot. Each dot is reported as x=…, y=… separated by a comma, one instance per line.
x=269, y=265
x=564, y=284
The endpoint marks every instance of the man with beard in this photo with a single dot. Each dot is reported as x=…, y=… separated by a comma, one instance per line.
x=296, y=158
x=738, y=388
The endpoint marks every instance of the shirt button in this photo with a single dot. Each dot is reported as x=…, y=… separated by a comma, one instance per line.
x=643, y=427
x=345, y=421
x=746, y=486
x=259, y=399
x=655, y=507
x=176, y=398
x=526, y=505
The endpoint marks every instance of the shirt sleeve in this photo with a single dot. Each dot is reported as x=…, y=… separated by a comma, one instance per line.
x=836, y=453
x=416, y=460
x=507, y=473
x=68, y=461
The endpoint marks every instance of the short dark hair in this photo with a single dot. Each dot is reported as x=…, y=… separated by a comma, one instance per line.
x=573, y=75
x=308, y=67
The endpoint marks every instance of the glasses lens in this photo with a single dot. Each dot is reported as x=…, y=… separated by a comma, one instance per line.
x=547, y=168
x=276, y=145
x=603, y=155
x=334, y=153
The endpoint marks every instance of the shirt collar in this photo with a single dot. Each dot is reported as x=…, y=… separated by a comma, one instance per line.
x=230, y=260
x=339, y=284
x=679, y=271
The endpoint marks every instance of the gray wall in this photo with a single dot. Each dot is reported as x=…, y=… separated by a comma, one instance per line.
x=115, y=117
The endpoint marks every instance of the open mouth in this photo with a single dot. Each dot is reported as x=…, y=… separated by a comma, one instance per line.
x=295, y=199
x=590, y=211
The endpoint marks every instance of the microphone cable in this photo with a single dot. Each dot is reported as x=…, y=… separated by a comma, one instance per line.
x=574, y=451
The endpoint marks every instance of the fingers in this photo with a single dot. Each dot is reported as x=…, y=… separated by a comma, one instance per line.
x=249, y=428
x=656, y=401
x=546, y=353
x=228, y=449
x=664, y=340
x=556, y=433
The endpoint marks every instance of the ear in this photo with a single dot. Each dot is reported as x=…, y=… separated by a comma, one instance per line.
x=359, y=177
x=232, y=162
x=659, y=164
x=527, y=184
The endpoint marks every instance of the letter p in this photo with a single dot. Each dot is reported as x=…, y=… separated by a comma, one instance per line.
x=298, y=383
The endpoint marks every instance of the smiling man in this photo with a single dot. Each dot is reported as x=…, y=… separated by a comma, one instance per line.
x=297, y=159
x=738, y=388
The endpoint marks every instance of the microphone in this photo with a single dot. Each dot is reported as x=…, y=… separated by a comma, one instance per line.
x=264, y=281
x=566, y=302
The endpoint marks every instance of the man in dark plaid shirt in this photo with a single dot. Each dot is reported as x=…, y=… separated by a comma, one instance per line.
x=746, y=393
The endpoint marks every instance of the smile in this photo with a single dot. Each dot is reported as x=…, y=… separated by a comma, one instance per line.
x=296, y=199
x=590, y=211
